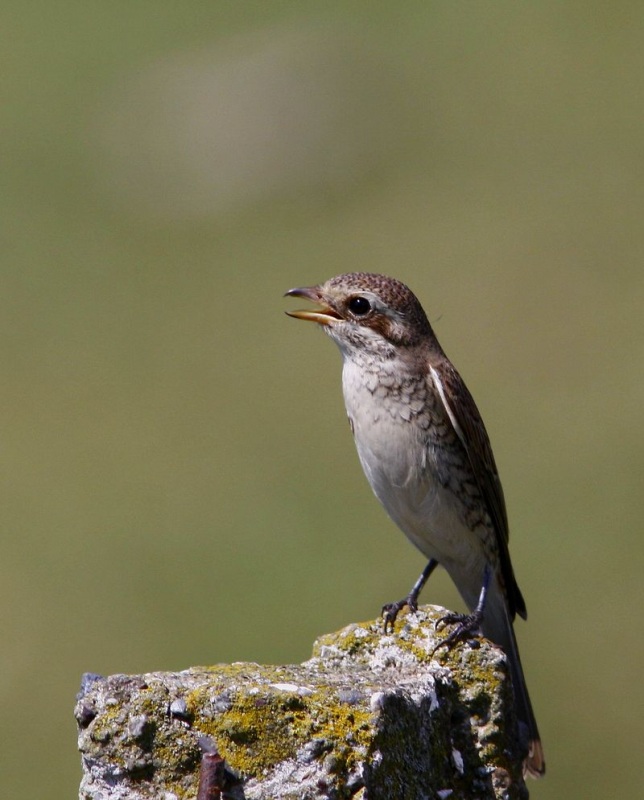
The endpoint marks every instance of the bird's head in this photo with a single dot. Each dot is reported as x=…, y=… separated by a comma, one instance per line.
x=366, y=313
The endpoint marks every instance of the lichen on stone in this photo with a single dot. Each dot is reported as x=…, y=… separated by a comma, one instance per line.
x=370, y=715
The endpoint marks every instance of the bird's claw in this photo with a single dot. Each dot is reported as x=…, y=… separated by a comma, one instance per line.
x=466, y=625
x=390, y=611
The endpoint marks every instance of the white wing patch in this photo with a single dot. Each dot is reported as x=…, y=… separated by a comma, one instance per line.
x=441, y=391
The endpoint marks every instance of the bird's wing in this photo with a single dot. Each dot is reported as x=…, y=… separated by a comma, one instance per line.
x=469, y=427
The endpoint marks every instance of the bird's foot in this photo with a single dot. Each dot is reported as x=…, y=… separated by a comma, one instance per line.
x=390, y=611
x=466, y=625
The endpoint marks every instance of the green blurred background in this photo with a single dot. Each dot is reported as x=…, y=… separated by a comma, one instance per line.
x=179, y=485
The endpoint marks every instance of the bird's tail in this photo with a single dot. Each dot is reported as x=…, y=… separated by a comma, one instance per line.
x=497, y=626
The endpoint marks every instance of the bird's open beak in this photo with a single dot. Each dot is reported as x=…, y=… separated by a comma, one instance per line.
x=323, y=315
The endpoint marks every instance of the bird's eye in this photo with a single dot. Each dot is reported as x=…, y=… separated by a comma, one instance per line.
x=359, y=306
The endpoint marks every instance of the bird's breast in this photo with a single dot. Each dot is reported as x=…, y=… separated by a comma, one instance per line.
x=410, y=456
x=390, y=420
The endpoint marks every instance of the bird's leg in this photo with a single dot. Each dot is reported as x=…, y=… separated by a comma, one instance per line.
x=391, y=610
x=466, y=624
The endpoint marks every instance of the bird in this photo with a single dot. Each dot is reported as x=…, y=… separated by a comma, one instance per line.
x=426, y=453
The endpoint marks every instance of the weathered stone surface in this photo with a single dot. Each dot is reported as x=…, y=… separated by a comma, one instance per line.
x=369, y=716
